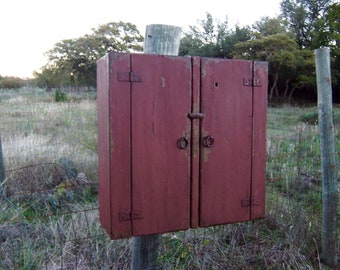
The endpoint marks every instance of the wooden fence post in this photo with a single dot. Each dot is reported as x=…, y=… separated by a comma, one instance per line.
x=165, y=40
x=2, y=170
x=328, y=158
x=162, y=39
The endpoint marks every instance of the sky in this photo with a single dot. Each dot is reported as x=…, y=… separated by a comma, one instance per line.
x=29, y=28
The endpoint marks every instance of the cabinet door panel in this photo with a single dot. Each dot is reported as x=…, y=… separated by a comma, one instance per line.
x=225, y=173
x=160, y=169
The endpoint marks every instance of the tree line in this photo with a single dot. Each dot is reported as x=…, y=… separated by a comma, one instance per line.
x=11, y=82
x=286, y=42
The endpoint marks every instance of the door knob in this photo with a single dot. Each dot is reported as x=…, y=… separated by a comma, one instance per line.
x=208, y=141
x=182, y=143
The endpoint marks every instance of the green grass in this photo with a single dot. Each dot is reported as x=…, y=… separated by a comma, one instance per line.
x=49, y=220
x=294, y=173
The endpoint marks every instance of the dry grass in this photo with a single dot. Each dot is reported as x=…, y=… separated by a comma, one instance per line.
x=49, y=219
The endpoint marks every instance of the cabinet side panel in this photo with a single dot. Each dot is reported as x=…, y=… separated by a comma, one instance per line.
x=120, y=145
x=114, y=151
x=103, y=142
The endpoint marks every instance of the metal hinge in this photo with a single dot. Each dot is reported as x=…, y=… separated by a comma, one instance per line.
x=252, y=82
x=249, y=202
x=128, y=77
x=196, y=115
x=130, y=215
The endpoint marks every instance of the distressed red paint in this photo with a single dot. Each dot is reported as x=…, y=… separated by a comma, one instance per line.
x=181, y=142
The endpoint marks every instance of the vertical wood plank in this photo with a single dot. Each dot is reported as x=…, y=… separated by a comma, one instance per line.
x=226, y=166
x=120, y=144
x=161, y=171
x=103, y=142
x=195, y=141
x=114, y=150
x=259, y=140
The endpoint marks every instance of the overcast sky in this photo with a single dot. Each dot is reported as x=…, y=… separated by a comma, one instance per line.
x=28, y=28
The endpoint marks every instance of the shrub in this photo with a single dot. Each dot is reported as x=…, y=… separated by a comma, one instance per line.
x=309, y=118
x=60, y=96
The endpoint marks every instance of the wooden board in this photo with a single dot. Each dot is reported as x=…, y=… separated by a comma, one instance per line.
x=161, y=171
x=114, y=147
x=226, y=166
x=259, y=140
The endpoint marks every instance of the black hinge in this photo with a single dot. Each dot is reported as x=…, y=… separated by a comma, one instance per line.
x=128, y=77
x=130, y=215
x=257, y=82
x=196, y=115
x=249, y=202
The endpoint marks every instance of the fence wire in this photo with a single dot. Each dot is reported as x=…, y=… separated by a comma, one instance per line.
x=49, y=208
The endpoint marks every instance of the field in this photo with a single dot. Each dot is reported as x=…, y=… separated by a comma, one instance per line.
x=49, y=208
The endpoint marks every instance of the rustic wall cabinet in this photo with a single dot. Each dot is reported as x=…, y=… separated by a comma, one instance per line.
x=181, y=142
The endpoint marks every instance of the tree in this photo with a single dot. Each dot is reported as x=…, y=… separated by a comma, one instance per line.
x=284, y=58
x=204, y=39
x=270, y=26
x=72, y=62
x=48, y=78
x=333, y=22
x=10, y=82
x=305, y=19
x=212, y=38
x=315, y=24
x=117, y=36
x=285, y=42
x=240, y=34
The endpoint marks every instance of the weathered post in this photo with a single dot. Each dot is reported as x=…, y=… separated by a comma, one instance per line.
x=328, y=158
x=165, y=40
x=2, y=169
x=162, y=39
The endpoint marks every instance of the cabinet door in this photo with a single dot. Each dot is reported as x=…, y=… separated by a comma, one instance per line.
x=226, y=141
x=160, y=104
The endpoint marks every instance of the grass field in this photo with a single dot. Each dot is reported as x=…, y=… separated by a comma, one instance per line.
x=49, y=209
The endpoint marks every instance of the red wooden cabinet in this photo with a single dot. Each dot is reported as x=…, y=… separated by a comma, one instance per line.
x=181, y=142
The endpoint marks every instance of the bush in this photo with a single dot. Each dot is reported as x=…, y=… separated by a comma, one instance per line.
x=309, y=118
x=60, y=96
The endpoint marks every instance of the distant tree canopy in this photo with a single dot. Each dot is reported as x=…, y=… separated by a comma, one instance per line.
x=307, y=21
x=10, y=82
x=72, y=62
x=287, y=42
x=213, y=39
